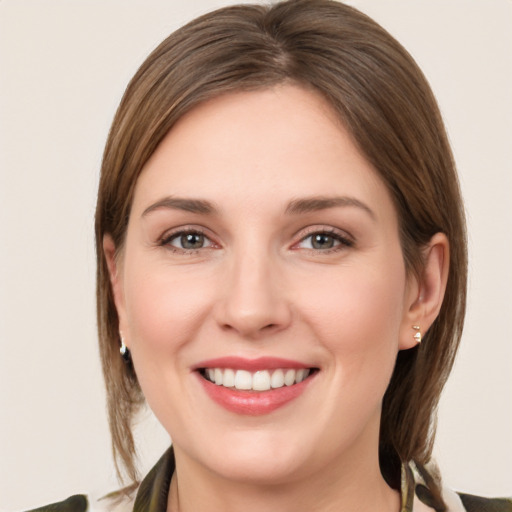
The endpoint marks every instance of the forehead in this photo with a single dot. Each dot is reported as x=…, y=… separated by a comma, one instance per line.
x=276, y=143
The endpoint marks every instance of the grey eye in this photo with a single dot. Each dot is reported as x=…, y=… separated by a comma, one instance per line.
x=190, y=240
x=323, y=241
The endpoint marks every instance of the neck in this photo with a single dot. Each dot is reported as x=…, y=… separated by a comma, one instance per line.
x=354, y=485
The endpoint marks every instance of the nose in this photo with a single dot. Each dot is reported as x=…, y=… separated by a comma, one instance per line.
x=253, y=302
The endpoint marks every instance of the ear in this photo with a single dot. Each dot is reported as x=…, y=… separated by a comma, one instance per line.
x=425, y=292
x=116, y=282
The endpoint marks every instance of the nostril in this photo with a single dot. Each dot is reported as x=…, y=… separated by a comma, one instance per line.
x=251, y=319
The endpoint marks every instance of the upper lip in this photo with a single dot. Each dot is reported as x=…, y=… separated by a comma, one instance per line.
x=251, y=365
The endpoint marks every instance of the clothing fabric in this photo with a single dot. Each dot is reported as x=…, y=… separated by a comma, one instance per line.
x=151, y=495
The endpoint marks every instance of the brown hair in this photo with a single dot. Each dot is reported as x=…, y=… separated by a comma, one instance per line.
x=384, y=101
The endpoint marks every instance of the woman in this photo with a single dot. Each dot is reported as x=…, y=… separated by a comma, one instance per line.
x=281, y=260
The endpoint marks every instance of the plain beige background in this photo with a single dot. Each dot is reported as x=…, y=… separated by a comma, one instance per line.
x=63, y=67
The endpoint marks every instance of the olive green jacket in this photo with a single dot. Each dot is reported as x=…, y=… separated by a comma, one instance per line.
x=151, y=495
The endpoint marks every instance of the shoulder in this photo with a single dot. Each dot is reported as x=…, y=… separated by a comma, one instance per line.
x=151, y=493
x=425, y=479
x=478, y=504
x=76, y=503
x=115, y=502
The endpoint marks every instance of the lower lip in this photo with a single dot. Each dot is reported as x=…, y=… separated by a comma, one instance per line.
x=253, y=403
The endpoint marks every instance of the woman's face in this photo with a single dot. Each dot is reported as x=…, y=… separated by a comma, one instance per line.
x=263, y=249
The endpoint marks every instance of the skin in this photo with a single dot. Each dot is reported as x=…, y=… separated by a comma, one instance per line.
x=258, y=287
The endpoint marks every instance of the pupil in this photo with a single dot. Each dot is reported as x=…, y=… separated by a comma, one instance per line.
x=322, y=241
x=192, y=241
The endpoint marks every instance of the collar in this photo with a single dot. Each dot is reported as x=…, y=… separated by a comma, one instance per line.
x=153, y=491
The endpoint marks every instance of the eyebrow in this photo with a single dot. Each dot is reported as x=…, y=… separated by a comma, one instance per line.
x=188, y=205
x=295, y=207
x=314, y=204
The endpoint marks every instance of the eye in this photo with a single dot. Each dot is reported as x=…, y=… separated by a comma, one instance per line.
x=324, y=241
x=187, y=241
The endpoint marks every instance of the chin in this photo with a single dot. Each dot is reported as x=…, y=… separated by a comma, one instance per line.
x=260, y=468
x=259, y=457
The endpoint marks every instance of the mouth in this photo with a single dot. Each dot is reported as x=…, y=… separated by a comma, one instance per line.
x=261, y=380
x=254, y=387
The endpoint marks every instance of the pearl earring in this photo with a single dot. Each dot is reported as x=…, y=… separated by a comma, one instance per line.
x=124, y=351
x=417, y=335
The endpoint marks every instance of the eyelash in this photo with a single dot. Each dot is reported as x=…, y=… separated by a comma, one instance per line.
x=340, y=242
x=176, y=235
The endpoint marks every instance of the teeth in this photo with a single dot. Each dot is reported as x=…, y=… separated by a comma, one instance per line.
x=289, y=377
x=228, y=379
x=262, y=380
x=277, y=380
x=300, y=375
x=243, y=379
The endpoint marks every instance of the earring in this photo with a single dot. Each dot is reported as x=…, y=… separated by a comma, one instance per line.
x=124, y=351
x=417, y=335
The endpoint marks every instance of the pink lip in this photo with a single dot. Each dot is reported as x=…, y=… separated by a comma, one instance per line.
x=252, y=403
x=251, y=365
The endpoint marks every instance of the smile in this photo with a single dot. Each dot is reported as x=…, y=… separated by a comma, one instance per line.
x=254, y=387
x=262, y=380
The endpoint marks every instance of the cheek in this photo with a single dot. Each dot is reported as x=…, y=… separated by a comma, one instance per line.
x=358, y=308
x=357, y=318
x=163, y=308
